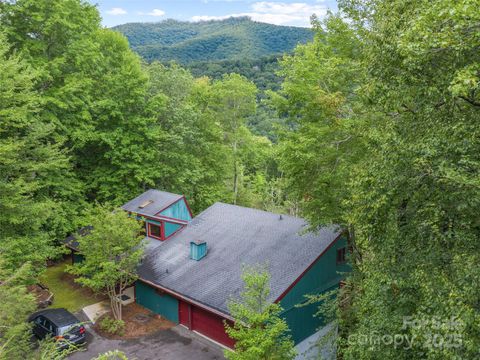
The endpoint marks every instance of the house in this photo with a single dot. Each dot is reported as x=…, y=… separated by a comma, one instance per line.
x=192, y=265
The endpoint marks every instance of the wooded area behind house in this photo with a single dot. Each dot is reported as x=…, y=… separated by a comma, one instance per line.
x=372, y=125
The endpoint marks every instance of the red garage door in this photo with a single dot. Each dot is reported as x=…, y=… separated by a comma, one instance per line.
x=210, y=325
x=184, y=314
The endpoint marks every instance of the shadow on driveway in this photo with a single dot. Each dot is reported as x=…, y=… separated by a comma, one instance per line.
x=172, y=344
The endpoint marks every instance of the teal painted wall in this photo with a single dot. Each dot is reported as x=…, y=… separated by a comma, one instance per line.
x=322, y=277
x=197, y=251
x=165, y=305
x=179, y=210
x=170, y=228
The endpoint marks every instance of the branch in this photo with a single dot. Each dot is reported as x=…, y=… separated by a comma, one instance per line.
x=470, y=101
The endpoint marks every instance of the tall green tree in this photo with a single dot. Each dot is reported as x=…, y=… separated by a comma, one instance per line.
x=412, y=194
x=116, y=153
x=93, y=89
x=259, y=331
x=321, y=140
x=35, y=172
x=191, y=153
x=112, y=252
x=416, y=197
x=16, y=304
x=234, y=100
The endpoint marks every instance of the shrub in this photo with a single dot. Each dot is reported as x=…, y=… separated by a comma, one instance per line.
x=112, y=326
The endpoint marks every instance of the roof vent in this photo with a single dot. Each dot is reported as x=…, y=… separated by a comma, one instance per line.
x=198, y=249
x=280, y=217
x=145, y=204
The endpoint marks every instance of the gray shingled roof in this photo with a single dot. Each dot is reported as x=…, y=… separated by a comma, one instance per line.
x=235, y=236
x=160, y=200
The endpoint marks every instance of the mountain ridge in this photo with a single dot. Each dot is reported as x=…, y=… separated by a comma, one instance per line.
x=214, y=40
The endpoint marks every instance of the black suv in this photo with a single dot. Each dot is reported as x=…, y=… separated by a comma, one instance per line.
x=60, y=324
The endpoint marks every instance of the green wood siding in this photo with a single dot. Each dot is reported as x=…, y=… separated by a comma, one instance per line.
x=322, y=276
x=164, y=305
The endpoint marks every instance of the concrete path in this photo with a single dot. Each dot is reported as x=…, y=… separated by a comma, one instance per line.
x=177, y=343
x=321, y=341
x=93, y=312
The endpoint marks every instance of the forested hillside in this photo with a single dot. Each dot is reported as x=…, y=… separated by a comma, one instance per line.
x=215, y=48
x=372, y=126
x=263, y=71
x=230, y=39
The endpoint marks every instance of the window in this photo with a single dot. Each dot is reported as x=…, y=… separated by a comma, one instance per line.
x=341, y=255
x=155, y=231
x=48, y=325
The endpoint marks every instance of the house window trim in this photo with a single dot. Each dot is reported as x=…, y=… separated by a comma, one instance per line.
x=162, y=235
x=340, y=260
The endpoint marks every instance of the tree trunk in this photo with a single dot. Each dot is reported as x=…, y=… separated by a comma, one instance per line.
x=355, y=252
x=235, y=173
x=115, y=304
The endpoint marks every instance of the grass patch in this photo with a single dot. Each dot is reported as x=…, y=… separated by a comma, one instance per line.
x=66, y=293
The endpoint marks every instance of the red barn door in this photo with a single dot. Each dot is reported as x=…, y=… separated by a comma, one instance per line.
x=210, y=325
x=184, y=314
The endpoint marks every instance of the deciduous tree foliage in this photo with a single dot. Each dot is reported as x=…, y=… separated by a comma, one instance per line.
x=34, y=171
x=234, y=100
x=259, y=331
x=112, y=252
x=191, y=155
x=412, y=197
x=15, y=307
x=322, y=140
x=93, y=89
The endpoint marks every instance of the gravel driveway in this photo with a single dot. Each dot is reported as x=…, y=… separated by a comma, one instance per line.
x=173, y=344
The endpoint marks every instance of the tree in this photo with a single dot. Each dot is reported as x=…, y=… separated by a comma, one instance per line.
x=259, y=331
x=412, y=194
x=112, y=252
x=322, y=139
x=94, y=90
x=190, y=147
x=234, y=100
x=32, y=169
x=112, y=355
x=16, y=304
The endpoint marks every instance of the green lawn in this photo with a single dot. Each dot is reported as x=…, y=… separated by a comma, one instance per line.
x=66, y=293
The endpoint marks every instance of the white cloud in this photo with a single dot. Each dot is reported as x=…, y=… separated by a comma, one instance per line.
x=297, y=14
x=294, y=9
x=156, y=12
x=116, y=11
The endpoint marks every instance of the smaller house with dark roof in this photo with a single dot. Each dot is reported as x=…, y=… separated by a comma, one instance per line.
x=192, y=265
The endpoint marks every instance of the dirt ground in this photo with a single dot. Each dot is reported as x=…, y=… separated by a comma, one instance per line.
x=138, y=322
x=42, y=295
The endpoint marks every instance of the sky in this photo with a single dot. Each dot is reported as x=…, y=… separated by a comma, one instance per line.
x=285, y=12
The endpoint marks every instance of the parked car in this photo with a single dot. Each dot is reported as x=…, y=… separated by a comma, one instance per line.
x=59, y=324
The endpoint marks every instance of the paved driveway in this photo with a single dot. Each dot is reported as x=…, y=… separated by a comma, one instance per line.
x=173, y=344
